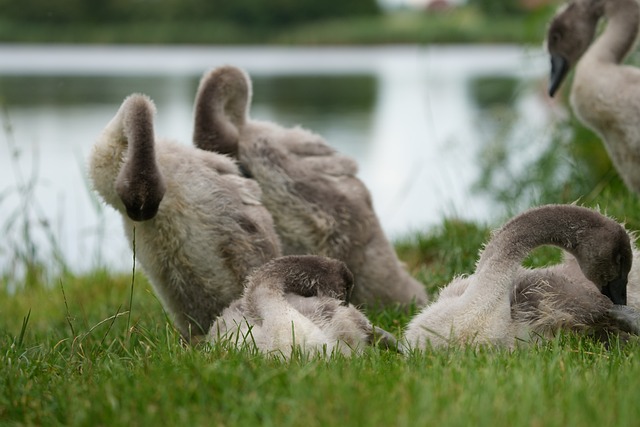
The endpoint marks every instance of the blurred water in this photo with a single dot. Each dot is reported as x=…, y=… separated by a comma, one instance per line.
x=411, y=116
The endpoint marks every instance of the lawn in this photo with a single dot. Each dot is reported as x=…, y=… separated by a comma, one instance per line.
x=73, y=353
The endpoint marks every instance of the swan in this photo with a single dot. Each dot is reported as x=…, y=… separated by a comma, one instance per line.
x=478, y=309
x=298, y=302
x=605, y=95
x=199, y=225
x=318, y=204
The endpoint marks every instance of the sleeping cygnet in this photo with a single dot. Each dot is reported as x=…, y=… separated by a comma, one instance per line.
x=298, y=303
x=503, y=303
x=198, y=227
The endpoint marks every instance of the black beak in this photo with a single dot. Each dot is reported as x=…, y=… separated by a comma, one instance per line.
x=142, y=213
x=616, y=291
x=381, y=338
x=559, y=70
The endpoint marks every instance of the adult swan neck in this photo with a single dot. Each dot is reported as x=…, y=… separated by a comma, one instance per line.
x=620, y=33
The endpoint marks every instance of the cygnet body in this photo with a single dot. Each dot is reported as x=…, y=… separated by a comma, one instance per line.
x=503, y=302
x=298, y=303
x=318, y=204
x=198, y=227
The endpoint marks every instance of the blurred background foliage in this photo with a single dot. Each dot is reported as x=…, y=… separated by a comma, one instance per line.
x=275, y=21
x=242, y=12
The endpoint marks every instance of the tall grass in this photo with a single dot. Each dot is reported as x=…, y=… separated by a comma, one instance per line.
x=30, y=244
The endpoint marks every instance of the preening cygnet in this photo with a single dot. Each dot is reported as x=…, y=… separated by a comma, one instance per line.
x=199, y=225
x=478, y=308
x=298, y=302
x=605, y=94
x=318, y=204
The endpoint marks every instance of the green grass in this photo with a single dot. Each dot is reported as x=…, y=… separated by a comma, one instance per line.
x=68, y=358
x=71, y=367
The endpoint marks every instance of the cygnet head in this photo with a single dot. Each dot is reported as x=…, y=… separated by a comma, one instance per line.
x=605, y=258
x=139, y=184
x=568, y=37
x=311, y=275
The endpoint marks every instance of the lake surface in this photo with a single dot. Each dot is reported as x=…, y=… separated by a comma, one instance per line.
x=417, y=119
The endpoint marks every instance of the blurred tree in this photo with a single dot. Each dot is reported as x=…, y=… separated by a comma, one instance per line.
x=60, y=11
x=498, y=7
x=261, y=13
x=286, y=12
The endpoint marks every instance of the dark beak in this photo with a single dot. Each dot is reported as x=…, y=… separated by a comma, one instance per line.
x=142, y=213
x=559, y=70
x=381, y=338
x=616, y=291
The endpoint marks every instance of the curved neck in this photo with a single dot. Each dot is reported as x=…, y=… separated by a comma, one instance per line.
x=139, y=184
x=621, y=31
x=220, y=110
x=137, y=128
x=557, y=225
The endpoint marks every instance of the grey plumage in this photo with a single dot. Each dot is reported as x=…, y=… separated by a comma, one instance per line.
x=605, y=94
x=502, y=301
x=298, y=302
x=199, y=225
x=318, y=204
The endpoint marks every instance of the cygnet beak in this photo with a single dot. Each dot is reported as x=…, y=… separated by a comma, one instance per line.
x=616, y=290
x=142, y=213
x=559, y=70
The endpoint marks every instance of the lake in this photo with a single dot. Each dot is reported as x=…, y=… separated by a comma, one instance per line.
x=416, y=118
